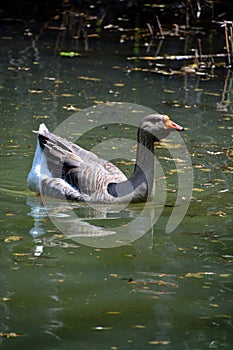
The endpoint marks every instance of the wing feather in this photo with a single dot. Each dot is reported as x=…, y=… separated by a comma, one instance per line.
x=81, y=169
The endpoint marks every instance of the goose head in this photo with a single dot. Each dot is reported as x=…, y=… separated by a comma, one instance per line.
x=158, y=126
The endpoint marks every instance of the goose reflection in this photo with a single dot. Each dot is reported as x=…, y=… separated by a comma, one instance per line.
x=100, y=226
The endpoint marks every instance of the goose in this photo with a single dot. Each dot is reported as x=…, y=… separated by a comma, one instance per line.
x=65, y=170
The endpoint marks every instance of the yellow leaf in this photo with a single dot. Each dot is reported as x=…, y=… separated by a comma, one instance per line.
x=159, y=342
x=98, y=102
x=196, y=189
x=197, y=274
x=36, y=91
x=206, y=170
x=170, y=91
x=13, y=146
x=119, y=84
x=225, y=275
x=113, y=312
x=123, y=162
x=214, y=305
x=40, y=116
x=13, y=239
x=66, y=95
x=71, y=108
x=229, y=317
x=211, y=93
x=10, y=335
x=20, y=254
x=217, y=213
x=88, y=78
x=69, y=54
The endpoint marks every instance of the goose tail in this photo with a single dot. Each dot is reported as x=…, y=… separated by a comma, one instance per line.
x=43, y=135
x=33, y=180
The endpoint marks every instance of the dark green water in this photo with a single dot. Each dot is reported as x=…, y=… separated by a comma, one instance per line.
x=164, y=291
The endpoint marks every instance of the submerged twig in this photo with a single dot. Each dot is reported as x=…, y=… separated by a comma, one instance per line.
x=175, y=58
x=160, y=27
x=226, y=94
x=228, y=29
x=199, y=48
x=198, y=9
x=227, y=44
x=187, y=6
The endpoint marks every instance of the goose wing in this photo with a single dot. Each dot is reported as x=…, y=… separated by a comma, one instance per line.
x=81, y=169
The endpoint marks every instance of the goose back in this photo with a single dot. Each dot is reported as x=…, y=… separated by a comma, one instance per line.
x=86, y=173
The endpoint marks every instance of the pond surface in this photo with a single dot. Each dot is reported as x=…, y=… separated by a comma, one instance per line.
x=164, y=291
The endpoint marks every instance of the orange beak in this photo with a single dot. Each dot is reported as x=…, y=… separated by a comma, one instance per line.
x=169, y=124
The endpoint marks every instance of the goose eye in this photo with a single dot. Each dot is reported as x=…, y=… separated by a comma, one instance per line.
x=156, y=120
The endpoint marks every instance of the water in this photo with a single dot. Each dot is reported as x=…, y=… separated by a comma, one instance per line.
x=166, y=290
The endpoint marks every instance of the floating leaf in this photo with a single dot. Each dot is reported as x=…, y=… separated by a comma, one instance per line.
x=198, y=274
x=88, y=78
x=229, y=258
x=13, y=239
x=40, y=116
x=113, y=275
x=214, y=305
x=35, y=91
x=10, y=335
x=113, y=312
x=119, y=84
x=228, y=317
x=206, y=170
x=21, y=254
x=182, y=249
x=224, y=275
x=129, y=255
x=5, y=299
x=159, y=342
x=101, y=328
x=66, y=95
x=69, y=54
x=217, y=213
x=204, y=317
x=211, y=93
x=223, y=191
x=98, y=102
x=13, y=146
x=123, y=162
x=71, y=108
x=214, y=153
x=196, y=189
x=170, y=91
x=50, y=78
